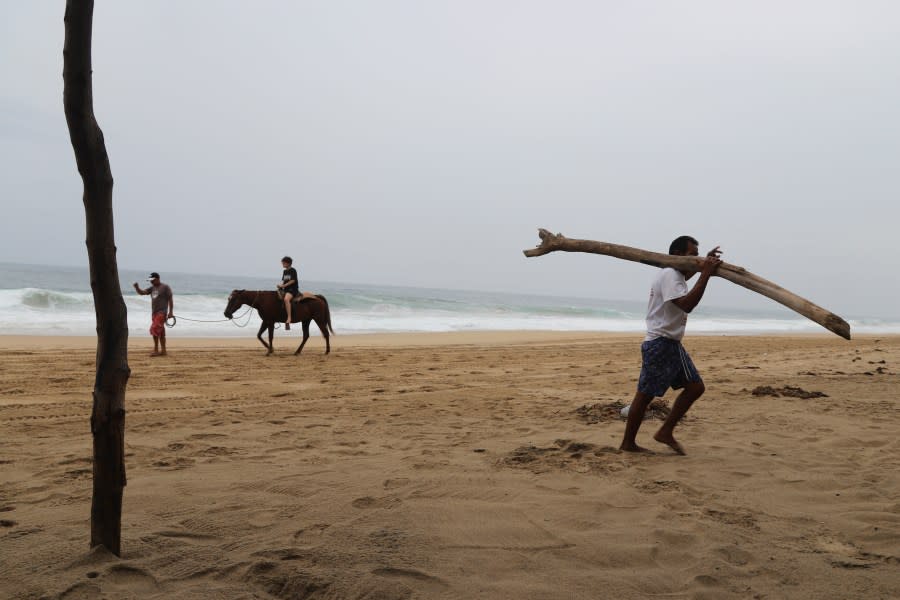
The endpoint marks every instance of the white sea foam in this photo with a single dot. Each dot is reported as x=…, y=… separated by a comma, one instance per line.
x=67, y=308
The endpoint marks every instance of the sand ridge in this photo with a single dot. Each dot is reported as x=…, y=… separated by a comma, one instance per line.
x=456, y=467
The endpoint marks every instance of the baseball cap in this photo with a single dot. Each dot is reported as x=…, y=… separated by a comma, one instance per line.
x=153, y=275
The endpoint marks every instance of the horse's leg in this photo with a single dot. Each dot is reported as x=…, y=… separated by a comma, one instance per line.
x=271, y=333
x=323, y=327
x=305, y=336
x=259, y=337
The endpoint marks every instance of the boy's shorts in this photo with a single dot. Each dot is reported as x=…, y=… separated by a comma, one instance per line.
x=665, y=363
x=158, y=326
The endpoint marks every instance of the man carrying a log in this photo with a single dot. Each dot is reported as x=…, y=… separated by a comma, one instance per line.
x=665, y=362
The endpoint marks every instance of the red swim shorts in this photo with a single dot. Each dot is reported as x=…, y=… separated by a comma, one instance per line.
x=158, y=326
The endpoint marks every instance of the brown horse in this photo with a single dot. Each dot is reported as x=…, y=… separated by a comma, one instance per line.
x=270, y=307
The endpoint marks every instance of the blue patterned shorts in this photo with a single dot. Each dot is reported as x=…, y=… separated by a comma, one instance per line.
x=665, y=364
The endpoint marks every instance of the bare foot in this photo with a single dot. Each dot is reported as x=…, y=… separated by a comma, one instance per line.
x=632, y=448
x=157, y=354
x=671, y=442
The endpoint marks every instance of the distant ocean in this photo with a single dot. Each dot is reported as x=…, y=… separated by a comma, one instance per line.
x=43, y=300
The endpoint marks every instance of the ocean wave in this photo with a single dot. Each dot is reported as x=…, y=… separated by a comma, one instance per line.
x=356, y=309
x=40, y=299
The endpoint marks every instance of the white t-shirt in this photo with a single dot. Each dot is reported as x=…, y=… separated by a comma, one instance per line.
x=664, y=318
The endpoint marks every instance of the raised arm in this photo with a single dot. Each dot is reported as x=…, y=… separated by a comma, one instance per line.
x=689, y=301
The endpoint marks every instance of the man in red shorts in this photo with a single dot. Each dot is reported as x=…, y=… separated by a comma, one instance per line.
x=162, y=307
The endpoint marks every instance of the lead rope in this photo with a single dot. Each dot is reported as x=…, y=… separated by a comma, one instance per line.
x=233, y=320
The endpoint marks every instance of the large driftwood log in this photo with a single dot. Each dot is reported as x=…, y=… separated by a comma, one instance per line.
x=112, y=372
x=551, y=242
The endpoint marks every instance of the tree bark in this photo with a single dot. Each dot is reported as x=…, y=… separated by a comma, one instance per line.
x=557, y=242
x=112, y=372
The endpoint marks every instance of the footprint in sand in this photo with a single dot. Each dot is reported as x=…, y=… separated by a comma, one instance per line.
x=82, y=591
x=135, y=580
x=390, y=484
x=735, y=556
x=370, y=502
x=174, y=464
x=564, y=455
x=733, y=517
x=313, y=531
x=408, y=574
x=844, y=556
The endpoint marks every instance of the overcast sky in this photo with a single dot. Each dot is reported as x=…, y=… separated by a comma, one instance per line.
x=423, y=143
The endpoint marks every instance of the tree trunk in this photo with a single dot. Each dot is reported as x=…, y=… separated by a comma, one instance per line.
x=112, y=372
x=552, y=242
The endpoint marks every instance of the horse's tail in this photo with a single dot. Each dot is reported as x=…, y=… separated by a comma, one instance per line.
x=327, y=313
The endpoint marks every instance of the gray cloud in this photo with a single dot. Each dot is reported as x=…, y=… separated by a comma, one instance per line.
x=424, y=143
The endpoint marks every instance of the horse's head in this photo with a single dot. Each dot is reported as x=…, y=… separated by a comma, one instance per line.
x=235, y=301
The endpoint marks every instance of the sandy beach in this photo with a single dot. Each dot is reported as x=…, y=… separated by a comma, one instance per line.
x=470, y=465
